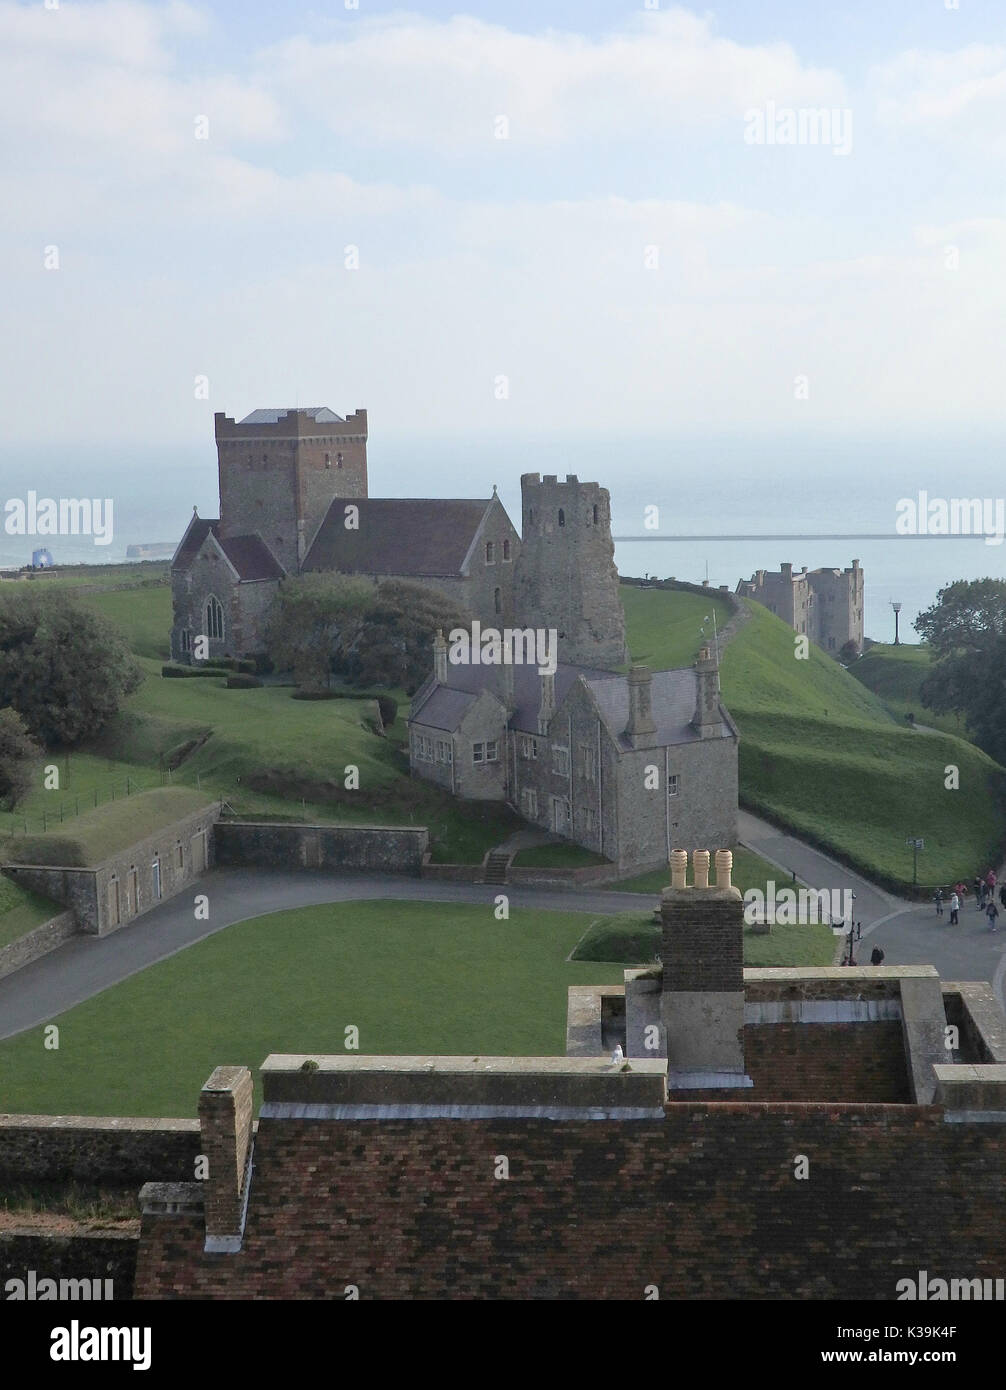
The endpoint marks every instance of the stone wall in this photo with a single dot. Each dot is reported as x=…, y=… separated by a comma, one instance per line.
x=101, y=1257
x=39, y=942
x=703, y=1204
x=356, y=848
x=114, y=1152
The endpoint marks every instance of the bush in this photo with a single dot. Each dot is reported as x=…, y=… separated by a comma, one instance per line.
x=185, y=672
x=241, y=680
x=299, y=694
x=389, y=709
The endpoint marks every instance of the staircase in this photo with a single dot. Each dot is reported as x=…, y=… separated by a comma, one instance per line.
x=496, y=865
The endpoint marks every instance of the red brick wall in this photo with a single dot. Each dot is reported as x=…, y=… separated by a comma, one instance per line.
x=704, y=1204
x=848, y=1062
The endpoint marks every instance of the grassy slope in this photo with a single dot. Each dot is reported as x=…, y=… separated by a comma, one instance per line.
x=665, y=626
x=94, y=835
x=821, y=753
x=20, y=910
x=895, y=675
x=413, y=977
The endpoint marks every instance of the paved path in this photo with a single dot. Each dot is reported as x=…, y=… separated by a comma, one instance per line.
x=908, y=933
x=86, y=965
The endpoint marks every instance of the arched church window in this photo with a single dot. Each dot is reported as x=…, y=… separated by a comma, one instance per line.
x=214, y=617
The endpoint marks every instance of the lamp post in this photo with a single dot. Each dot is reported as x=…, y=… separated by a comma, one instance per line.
x=897, y=610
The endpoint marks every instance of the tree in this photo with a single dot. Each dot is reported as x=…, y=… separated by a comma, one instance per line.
x=393, y=645
x=63, y=668
x=966, y=632
x=18, y=754
x=313, y=619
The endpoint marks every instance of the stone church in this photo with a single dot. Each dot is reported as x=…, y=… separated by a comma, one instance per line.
x=294, y=499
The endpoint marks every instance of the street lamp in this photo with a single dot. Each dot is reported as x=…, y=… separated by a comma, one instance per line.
x=897, y=610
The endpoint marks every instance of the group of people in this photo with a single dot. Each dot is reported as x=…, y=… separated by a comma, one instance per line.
x=985, y=899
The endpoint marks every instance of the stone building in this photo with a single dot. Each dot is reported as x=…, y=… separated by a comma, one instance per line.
x=624, y=765
x=825, y=605
x=294, y=498
x=566, y=577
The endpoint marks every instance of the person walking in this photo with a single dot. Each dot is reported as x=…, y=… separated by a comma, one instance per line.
x=979, y=894
x=992, y=912
x=876, y=956
x=938, y=900
x=955, y=907
x=1002, y=896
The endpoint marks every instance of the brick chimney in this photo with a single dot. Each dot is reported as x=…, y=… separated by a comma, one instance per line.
x=640, y=729
x=546, y=708
x=702, y=950
x=707, y=720
x=440, y=657
x=225, y=1126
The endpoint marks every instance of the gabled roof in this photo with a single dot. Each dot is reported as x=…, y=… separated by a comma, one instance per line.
x=272, y=416
x=398, y=535
x=251, y=557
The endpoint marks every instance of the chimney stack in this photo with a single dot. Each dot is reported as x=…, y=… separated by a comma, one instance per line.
x=440, y=657
x=702, y=950
x=707, y=720
x=640, y=728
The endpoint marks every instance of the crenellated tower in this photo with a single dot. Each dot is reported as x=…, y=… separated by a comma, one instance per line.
x=565, y=576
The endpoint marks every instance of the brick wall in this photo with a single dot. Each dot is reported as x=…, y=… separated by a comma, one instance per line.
x=828, y=1061
x=704, y=1204
x=103, y=1151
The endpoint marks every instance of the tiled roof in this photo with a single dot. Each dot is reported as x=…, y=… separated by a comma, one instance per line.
x=251, y=557
x=397, y=535
x=321, y=413
x=197, y=533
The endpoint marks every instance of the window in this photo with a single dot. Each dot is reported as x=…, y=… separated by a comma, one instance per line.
x=486, y=752
x=497, y=600
x=595, y=514
x=445, y=751
x=506, y=550
x=562, y=517
x=529, y=801
x=673, y=784
x=338, y=460
x=155, y=872
x=588, y=761
x=179, y=857
x=214, y=617
x=328, y=460
x=589, y=820
x=528, y=746
x=560, y=760
x=185, y=639
x=490, y=554
x=422, y=748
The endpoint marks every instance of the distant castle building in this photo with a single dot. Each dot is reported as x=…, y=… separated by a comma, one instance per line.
x=293, y=499
x=825, y=605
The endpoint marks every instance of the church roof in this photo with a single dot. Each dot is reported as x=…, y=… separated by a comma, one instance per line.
x=249, y=555
x=321, y=413
x=418, y=536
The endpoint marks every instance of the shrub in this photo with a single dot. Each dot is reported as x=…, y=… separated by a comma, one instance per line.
x=241, y=680
x=389, y=709
x=184, y=672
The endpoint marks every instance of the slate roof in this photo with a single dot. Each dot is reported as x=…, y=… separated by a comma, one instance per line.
x=249, y=555
x=271, y=416
x=673, y=695
x=398, y=535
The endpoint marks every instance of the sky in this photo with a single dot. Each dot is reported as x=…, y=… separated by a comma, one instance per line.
x=510, y=220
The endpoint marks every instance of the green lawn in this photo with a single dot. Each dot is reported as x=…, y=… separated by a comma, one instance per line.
x=557, y=856
x=432, y=978
x=665, y=627
x=895, y=675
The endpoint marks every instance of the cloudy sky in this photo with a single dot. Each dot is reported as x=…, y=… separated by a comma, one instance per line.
x=526, y=217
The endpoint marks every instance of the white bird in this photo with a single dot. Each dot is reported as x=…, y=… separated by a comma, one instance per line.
x=617, y=1056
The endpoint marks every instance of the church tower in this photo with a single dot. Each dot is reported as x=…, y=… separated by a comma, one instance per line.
x=565, y=576
x=281, y=469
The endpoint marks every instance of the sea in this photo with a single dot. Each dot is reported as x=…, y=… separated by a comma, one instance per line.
x=726, y=505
